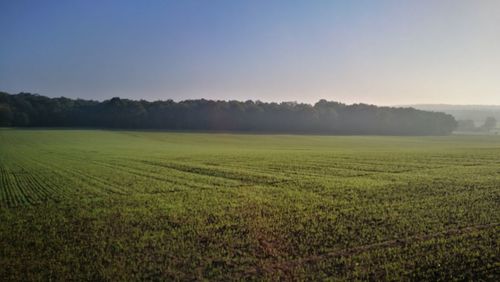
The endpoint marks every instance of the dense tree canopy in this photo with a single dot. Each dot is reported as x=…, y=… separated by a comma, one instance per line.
x=324, y=117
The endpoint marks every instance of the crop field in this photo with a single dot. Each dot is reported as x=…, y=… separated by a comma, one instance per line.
x=139, y=205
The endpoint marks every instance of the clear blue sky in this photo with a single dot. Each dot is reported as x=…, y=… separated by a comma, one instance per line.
x=382, y=52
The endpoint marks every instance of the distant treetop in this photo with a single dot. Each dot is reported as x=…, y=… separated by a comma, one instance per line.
x=324, y=117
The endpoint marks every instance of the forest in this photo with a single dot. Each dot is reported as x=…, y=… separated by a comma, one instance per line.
x=324, y=117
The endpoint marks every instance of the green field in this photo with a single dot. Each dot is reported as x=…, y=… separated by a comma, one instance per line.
x=133, y=205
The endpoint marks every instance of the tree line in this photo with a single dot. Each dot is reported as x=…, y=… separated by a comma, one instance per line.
x=468, y=125
x=324, y=117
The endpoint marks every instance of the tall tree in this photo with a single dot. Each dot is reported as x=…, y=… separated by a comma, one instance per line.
x=489, y=124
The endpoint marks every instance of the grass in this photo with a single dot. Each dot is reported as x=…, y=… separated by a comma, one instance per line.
x=132, y=205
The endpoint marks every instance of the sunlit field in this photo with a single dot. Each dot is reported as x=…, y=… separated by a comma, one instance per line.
x=136, y=205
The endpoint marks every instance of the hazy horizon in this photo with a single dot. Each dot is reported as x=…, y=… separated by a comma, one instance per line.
x=495, y=106
x=375, y=52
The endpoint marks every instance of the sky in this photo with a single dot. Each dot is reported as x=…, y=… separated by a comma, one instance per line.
x=378, y=52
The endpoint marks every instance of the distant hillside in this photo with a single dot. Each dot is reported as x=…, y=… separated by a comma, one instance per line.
x=477, y=113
